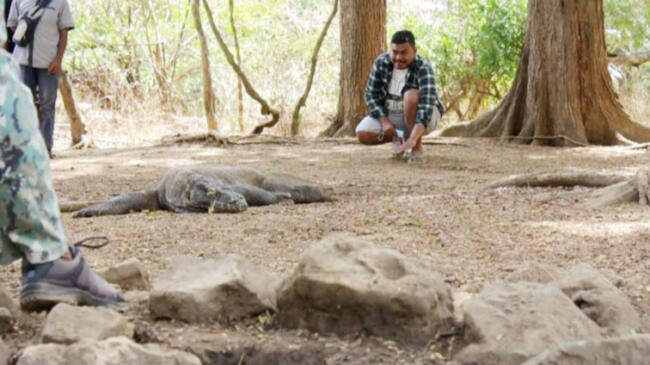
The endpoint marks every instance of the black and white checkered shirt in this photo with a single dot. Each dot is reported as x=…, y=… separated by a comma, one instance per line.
x=420, y=76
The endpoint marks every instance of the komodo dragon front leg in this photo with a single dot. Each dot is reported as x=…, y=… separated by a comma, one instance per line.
x=256, y=196
x=122, y=204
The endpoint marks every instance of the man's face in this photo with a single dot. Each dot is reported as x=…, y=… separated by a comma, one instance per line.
x=402, y=54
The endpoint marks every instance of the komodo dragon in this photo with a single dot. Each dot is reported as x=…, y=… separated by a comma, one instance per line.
x=211, y=189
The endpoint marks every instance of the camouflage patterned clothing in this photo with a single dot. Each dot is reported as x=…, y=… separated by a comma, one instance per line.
x=30, y=224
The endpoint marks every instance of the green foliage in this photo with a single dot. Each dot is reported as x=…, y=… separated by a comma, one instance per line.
x=115, y=42
x=475, y=48
x=473, y=44
x=113, y=50
x=627, y=25
x=627, y=29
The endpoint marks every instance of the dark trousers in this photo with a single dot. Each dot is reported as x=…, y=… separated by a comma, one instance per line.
x=44, y=88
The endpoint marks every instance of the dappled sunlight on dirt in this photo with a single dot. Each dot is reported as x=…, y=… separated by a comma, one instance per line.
x=594, y=229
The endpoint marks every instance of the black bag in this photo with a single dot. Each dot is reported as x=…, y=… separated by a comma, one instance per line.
x=24, y=33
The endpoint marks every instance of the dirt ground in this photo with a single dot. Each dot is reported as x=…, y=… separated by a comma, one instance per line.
x=436, y=211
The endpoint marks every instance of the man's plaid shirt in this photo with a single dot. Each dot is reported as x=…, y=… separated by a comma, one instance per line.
x=419, y=76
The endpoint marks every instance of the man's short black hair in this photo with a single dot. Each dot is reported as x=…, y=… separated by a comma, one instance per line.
x=403, y=36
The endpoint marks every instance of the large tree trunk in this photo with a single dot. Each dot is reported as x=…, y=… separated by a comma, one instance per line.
x=563, y=94
x=363, y=38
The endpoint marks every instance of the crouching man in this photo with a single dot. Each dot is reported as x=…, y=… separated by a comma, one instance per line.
x=402, y=99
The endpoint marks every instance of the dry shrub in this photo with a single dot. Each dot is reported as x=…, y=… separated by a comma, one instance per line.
x=106, y=88
x=634, y=92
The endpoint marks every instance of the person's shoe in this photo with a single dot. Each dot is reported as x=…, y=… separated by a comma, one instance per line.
x=68, y=281
x=416, y=160
x=416, y=157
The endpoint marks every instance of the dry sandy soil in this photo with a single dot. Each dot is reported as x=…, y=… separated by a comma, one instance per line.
x=436, y=211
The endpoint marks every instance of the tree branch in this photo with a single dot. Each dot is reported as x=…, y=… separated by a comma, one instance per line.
x=295, y=120
x=240, y=99
x=78, y=132
x=630, y=59
x=208, y=92
x=266, y=109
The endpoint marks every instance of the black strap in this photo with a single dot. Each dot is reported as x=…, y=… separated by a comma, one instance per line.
x=40, y=4
x=30, y=58
x=104, y=241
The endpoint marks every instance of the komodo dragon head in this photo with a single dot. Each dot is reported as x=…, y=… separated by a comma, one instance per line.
x=215, y=198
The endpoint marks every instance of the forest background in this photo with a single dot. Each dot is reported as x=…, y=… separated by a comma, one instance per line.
x=135, y=66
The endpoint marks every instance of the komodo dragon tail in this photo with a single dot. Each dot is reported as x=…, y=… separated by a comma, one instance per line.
x=122, y=204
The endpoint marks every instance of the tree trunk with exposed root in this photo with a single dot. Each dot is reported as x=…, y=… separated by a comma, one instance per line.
x=562, y=94
x=363, y=38
x=614, y=189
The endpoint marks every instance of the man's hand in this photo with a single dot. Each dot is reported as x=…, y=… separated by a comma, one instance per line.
x=387, y=128
x=416, y=134
x=408, y=145
x=55, y=67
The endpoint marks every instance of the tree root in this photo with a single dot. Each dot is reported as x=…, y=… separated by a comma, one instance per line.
x=210, y=136
x=447, y=141
x=458, y=129
x=265, y=139
x=213, y=137
x=558, y=179
x=616, y=189
x=638, y=146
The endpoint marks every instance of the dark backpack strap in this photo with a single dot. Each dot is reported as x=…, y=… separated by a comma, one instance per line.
x=30, y=58
x=41, y=4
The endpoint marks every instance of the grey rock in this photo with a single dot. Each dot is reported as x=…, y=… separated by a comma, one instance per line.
x=592, y=291
x=628, y=350
x=507, y=323
x=345, y=285
x=129, y=275
x=67, y=324
x=5, y=353
x=6, y=320
x=459, y=298
x=231, y=349
x=113, y=351
x=613, y=277
x=534, y=272
x=223, y=289
x=6, y=301
x=599, y=299
x=137, y=298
